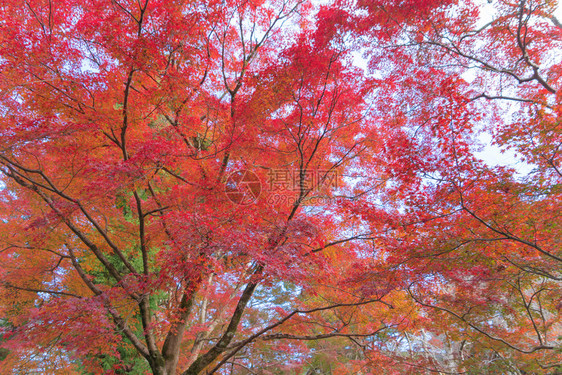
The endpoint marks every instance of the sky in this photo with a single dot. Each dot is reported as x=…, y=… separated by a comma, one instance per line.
x=492, y=154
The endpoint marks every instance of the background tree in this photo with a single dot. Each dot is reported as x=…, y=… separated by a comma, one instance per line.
x=480, y=241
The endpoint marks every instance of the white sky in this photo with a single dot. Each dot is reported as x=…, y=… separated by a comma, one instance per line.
x=492, y=154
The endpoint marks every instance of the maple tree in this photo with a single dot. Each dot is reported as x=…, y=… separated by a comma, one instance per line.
x=197, y=187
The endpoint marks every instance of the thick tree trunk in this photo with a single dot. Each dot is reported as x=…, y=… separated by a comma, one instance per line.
x=207, y=358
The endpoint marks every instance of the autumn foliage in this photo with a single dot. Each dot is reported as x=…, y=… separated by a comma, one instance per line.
x=280, y=187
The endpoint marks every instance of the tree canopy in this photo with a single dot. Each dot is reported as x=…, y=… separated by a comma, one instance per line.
x=280, y=187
